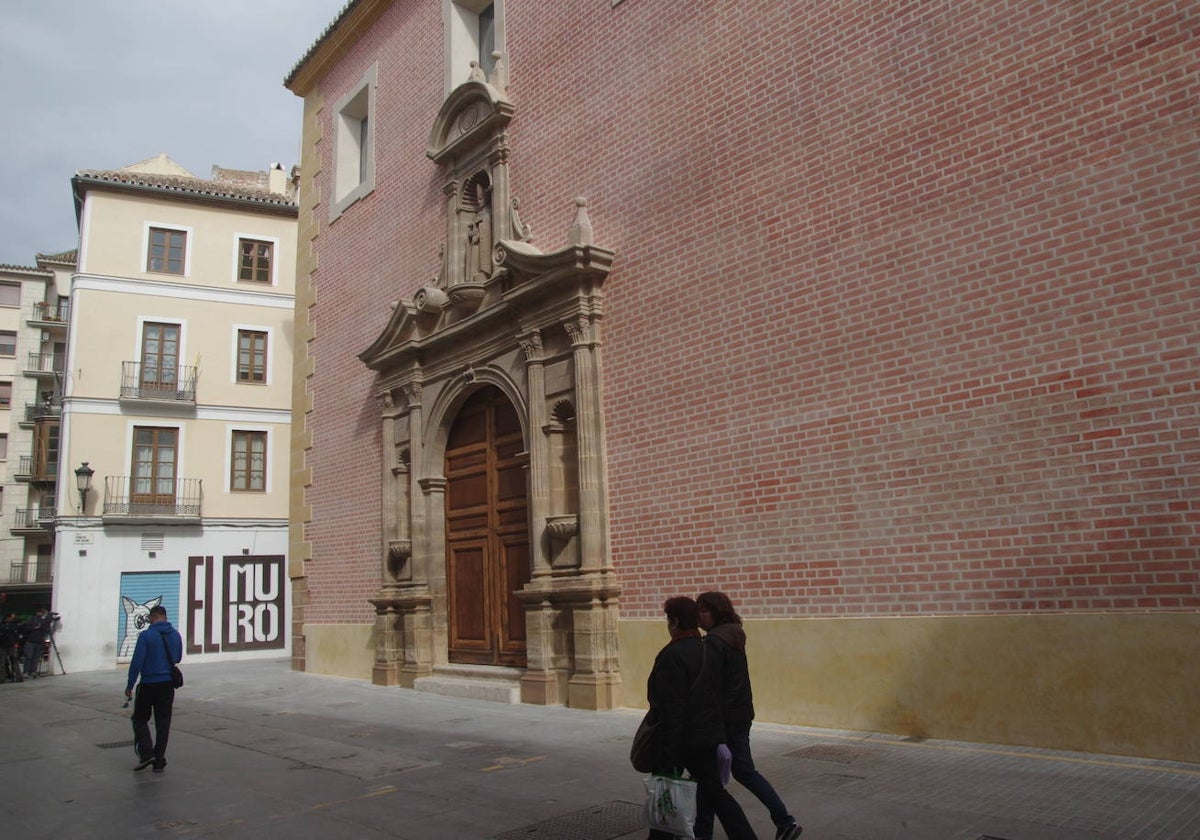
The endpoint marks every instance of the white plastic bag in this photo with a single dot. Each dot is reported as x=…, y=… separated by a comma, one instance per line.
x=671, y=805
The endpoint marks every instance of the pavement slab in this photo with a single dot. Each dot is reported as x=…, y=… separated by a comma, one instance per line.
x=260, y=751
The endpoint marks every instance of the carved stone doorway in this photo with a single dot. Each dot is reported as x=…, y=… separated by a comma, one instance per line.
x=487, y=532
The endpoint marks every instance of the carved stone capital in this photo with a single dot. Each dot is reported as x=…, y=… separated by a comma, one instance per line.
x=531, y=343
x=579, y=330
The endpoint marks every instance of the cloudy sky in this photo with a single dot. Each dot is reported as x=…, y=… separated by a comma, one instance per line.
x=100, y=84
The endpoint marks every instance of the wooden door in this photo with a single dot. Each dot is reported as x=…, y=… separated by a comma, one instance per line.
x=160, y=357
x=487, y=532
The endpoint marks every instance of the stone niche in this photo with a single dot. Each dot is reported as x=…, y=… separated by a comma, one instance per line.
x=499, y=312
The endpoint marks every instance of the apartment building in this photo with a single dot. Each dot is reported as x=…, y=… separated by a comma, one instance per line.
x=173, y=458
x=33, y=335
x=882, y=318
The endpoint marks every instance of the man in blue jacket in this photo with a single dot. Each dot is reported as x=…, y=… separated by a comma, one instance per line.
x=158, y=648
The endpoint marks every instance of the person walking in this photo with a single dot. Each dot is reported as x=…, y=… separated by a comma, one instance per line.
x=684, y=700
x=158, y=648
x=35, y=630
x=726, y=643
x=10, y=649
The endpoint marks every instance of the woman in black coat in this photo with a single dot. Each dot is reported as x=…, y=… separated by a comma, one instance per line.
x=726, y=644
x=684, y=700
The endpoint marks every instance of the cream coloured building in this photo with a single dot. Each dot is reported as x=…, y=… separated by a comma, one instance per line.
x=33, y=330
x=173, y=473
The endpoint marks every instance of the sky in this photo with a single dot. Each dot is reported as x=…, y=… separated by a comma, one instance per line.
x=101, y=84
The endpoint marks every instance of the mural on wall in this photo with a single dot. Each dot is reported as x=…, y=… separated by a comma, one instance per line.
x=236, y=603
x=140, y=591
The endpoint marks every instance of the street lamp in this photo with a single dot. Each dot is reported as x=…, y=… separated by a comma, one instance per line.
x=83, y=480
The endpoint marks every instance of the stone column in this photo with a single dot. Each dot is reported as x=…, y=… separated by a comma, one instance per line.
x=390, y=514
x=455, y=236
x=434, y=490
x=589, y=440
x=539, y=456
x=417, y=530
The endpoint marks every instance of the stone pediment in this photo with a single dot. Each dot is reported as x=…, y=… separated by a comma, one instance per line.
x=472, y=115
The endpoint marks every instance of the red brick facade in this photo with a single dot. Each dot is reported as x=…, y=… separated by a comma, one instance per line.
x=905, y=317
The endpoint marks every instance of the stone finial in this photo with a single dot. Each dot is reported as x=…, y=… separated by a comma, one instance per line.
x=581, y=231
x=477, y=73
x=499, y=79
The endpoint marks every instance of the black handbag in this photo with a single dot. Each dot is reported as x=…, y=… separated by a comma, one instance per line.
x=176, y=674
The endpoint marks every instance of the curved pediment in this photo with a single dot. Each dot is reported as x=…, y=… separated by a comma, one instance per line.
x=473, y=114
x=401, y=328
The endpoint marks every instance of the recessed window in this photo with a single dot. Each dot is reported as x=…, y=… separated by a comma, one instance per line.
x=8, y=343
x=167, y=252
x=10, y=294
x=5, y=394
x=3, y=448
x=252, y=356
x=354, y=145
x=248, y=466
x=255, y=258
x=474, y=30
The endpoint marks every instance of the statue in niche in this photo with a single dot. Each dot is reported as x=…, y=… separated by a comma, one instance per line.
x=478, y=203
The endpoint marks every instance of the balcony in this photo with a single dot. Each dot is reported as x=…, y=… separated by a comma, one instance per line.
x=41, y=411
x=50, y=314
x=36, y=470
x=29, y=573
x=128, y=499
x=45, y=364
x=174, y=386
x=34, y=520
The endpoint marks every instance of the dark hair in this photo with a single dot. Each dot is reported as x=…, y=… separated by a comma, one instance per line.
x=159, y=610
x=720, y=606
x=684, y=610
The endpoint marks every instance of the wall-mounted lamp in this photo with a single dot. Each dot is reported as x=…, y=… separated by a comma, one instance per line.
x=83, y=480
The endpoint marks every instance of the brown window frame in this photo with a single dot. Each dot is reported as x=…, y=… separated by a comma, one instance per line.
x=244, y=446
x=250, y=369
x=160, y=474
x=253, y=266
x=159, y=256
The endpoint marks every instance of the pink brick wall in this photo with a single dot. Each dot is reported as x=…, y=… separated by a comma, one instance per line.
x=905, y=318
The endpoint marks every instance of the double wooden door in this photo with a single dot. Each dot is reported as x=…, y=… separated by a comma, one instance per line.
x=487, y=532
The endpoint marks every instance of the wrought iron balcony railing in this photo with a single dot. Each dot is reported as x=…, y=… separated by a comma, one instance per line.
x=33, y=519
x=45, y=363
x=51, y=312
x=132, y=496
x=29, y=572
x=30, y=468
x=144, y=382
x=36, y=411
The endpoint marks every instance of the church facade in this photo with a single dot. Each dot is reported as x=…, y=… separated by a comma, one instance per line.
x=880, y=320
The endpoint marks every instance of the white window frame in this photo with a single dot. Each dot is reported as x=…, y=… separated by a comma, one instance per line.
x=237, y=260
x=460, y=21
x=354, y=177
x=234, y=349
x=230, y=428
x=189, y=246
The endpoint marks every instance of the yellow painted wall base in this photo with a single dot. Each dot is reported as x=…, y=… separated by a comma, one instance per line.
x=340, y=650
x=1124, y=684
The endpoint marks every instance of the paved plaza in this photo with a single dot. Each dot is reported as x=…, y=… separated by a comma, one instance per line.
x=259, y=751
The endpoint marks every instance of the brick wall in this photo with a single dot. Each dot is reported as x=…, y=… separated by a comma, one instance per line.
x=905, y=313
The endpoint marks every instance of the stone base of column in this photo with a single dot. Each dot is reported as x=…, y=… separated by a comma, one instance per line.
x=544, y=688
x=385, y=675
x=598, y=692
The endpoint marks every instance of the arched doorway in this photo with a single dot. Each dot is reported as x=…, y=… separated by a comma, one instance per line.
x=487, y=532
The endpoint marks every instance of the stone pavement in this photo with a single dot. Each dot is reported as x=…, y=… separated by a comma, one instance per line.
x=259, y=751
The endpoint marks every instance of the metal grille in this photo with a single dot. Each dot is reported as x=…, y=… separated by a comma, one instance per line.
x=602, y=822
x=115, y=745
x=838, y=753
